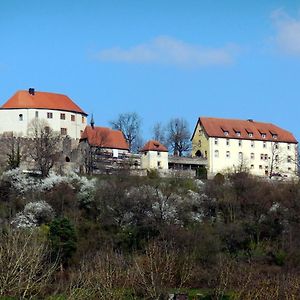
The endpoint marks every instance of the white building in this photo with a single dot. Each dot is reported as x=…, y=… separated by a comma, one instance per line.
x=154, y=156
x=228, y=144
x=61, y=113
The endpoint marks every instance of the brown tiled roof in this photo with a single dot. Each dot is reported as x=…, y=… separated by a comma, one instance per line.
x=104, y=137
x=154, y=146
x=42, y=100
x=215, y=127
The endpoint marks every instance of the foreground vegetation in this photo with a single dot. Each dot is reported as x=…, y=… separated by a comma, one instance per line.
x=122, y=237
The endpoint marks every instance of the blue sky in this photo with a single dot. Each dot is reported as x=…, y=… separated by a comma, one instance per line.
x=159, y=58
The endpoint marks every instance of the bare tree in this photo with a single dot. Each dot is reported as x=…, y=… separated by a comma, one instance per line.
x=92, y=154
x=178, y=136
x=11, y=148
x=42, y=145
x=159, y=133
x=25, y=267
x=130, y=125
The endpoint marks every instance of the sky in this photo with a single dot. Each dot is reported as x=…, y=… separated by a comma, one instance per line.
x=160, y=58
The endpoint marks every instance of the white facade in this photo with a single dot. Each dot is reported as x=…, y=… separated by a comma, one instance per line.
x=259, y=157
x=17, y=120
x=154, y=160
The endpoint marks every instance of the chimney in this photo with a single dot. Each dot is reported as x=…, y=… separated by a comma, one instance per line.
x=31, y=91
x=250, y=120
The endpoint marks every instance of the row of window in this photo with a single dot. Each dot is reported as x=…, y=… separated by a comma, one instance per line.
x=250, y=134
x=252, y=156
x=50, y=116
x=240, y=143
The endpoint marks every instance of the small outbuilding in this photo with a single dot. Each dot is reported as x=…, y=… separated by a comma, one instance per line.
x=154, y=156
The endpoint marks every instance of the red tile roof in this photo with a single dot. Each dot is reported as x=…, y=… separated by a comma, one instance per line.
x=104, y=137
x=217, y=127
x=42, y=100
x=154, y=146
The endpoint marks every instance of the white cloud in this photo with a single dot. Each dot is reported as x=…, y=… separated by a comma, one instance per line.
x=167, y=50
x=288, y=32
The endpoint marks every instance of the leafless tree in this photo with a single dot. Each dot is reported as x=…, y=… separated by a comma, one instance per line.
x=155, y=271
x=11, y=148
x=130, y=125
x=92, y=154
x=178, y=136
x=43, y=145
x=159, y=132
x=25, y=267
x=104, y=276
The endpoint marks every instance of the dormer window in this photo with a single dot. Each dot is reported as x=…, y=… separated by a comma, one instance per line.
x=225, y=130
x=263, y=135
x=275, y=136
x=250, y=134
x=237, y=132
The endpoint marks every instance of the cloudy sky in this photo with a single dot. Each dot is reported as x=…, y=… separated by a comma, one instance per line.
x=159, y=58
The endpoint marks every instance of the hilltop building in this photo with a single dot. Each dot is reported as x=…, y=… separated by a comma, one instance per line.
x=229, y=144
x=154, y=156
x=61, y=113
x=103, y=149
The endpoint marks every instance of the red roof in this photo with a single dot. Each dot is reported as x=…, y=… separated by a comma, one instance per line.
x=104, y=137
x=42, y=100
x=154, y=146
x=245, y=129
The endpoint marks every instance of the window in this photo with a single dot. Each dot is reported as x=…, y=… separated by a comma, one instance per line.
x=216, y=141
x=36, y=114
x=227, y=154
x=250, y=134
x=289, y=168
x=276, y=157
x=276, y=146
x=274, y=136
x=49, y=115
x=216, y=153
x=288, y=146
x=252, y=167
x=62, y=116
x=263, y=135
x=159, y=164
x=72, y=118
x=252, y=155
x=266, y=167
x=266, y=156
x=226, y=133
x=264, y=145
x=240, y=143
x=261, y=156
x=240, y=155
x=238, y=133
x=63, y=131
x=158, y=153
x=252, y=144
x=83, y=119
x=227, y=142
x=47, y=129
x=289, y=159
x=260, y=167
x=20, y=117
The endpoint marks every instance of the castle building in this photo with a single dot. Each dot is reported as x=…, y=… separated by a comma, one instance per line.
x=229, y=144
x=60, y=112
